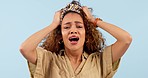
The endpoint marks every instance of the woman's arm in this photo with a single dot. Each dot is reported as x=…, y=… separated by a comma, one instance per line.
x=123, y=38
x=28, y=47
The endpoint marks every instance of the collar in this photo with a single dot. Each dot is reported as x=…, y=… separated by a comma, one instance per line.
x=84, y=54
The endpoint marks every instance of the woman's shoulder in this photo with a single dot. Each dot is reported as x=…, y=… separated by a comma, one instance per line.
x=43, y=52
x=105, y=50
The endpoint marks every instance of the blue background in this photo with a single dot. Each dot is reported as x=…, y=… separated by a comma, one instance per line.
x=21, y=18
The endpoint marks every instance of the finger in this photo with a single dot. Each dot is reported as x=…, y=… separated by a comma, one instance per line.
x=59, y=11
x=84, y=7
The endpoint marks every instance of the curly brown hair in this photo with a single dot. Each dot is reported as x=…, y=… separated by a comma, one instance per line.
x=94, y=42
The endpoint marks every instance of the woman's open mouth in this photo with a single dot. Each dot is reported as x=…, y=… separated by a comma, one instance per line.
x=73, y=40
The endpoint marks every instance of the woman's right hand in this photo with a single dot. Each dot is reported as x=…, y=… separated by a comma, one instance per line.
x=28, y=47
x=56, y=19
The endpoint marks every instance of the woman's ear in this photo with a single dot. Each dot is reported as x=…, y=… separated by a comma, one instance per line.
x=61, y=41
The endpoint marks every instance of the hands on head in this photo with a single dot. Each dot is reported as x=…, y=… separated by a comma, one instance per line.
x=57, y=16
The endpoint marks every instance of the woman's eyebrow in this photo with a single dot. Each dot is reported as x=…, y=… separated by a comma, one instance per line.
x=67, y=23
x=77, y=22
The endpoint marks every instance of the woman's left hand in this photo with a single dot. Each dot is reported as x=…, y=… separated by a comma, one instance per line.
x=88, y=13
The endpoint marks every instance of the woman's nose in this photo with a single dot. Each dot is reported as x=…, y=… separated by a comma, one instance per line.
x=73, y=32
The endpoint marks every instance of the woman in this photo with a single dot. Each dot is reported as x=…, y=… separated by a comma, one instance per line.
x=73, y=48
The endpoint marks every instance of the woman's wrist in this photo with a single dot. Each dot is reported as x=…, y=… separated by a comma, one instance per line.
x=92, y=20
x=55, y=24
x=96, y=20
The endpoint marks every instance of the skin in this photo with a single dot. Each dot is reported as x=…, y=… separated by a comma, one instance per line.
x=123, y=38
x=73, y=27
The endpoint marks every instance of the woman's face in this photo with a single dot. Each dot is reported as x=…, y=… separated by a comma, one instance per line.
x=73, y=31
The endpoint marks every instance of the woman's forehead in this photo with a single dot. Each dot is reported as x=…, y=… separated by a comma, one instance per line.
x=72, y=17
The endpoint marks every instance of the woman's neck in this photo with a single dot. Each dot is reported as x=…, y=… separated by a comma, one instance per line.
x=74, y=56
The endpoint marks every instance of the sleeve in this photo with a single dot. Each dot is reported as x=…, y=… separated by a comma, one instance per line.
x=43, y=59
x=109, y=67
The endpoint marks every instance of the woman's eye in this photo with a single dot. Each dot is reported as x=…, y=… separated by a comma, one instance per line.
x=66, y=27
x=79, y=26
